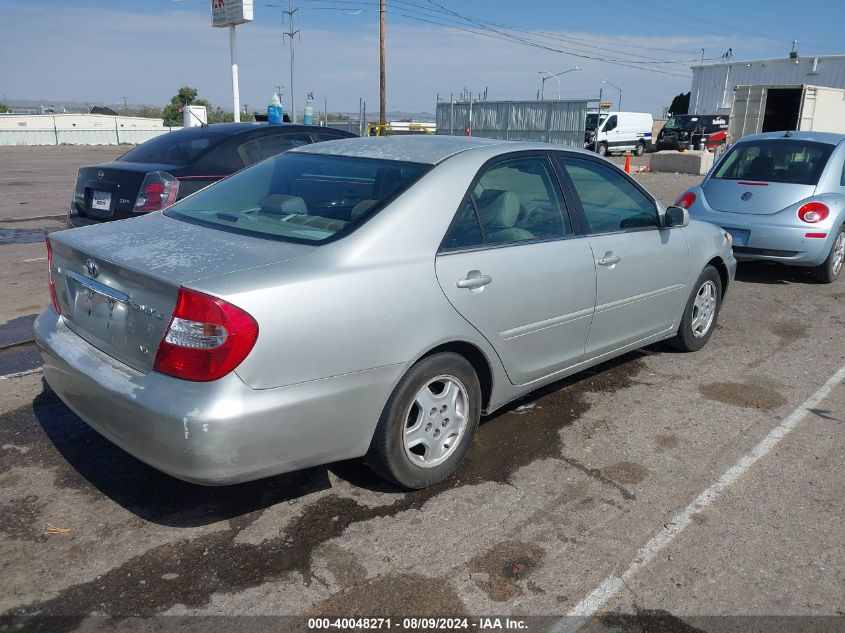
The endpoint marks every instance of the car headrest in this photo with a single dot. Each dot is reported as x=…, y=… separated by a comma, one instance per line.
x=502, y=211
x=282, y=204
x=362, y=208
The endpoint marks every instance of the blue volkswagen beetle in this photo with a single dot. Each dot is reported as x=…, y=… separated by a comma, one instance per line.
x=781, y=196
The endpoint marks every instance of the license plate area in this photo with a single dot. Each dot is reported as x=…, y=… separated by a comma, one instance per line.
x=100, y=203
x=98, y=310
x=740, y=236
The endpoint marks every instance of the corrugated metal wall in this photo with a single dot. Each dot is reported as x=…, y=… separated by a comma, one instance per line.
x=713, y=85
x=560, y=122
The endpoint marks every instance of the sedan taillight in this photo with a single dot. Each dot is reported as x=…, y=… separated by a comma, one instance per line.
x=813, y=212
x=55, y=298
x=686, y=200
x=206, y=339
x=159, y=190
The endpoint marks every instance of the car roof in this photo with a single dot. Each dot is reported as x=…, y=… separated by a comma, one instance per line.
x=417, y=148
x=232, y=129
x=819, y=137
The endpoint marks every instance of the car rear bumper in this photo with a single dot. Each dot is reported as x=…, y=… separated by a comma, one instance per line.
x=74, y=221
x=219, y=432
x=767, y=238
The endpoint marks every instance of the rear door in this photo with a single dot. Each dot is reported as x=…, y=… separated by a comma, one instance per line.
x=514, y=266
x=641, y=269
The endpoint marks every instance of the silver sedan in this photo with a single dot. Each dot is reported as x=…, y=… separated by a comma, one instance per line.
x=781, y=196
x=366, y=297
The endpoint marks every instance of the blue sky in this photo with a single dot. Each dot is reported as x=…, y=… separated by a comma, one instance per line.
x=101, y=50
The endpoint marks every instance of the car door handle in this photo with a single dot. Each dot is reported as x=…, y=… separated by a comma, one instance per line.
x=474, y=280
x=609, y=259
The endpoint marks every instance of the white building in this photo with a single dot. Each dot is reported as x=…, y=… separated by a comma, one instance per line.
x=713, y=85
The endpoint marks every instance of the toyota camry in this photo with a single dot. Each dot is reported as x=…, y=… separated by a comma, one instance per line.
x=366, y=298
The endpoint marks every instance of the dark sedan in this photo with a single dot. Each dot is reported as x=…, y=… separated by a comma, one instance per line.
x=169, y=167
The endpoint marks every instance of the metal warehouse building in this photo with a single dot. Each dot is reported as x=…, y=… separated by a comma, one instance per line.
x=713, y=85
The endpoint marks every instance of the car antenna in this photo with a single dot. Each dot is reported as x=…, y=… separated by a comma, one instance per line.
x=787, y=134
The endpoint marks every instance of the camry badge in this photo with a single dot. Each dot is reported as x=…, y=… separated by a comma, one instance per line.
x=100, y=175
x=747, y=195
x=91, y=268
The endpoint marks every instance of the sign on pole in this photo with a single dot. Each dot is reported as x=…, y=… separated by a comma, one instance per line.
x=606, y=106
x=230, y=12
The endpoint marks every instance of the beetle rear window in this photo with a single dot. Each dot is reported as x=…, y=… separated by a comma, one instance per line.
x=778, y=160
x=299, y=197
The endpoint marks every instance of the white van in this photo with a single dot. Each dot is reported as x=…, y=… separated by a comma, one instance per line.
x=618, y=132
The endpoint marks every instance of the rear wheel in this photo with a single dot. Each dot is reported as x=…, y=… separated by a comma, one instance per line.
x=701, y=312
x=639, y=150
x=602, y=150
x=428, y=423
x=829, y=271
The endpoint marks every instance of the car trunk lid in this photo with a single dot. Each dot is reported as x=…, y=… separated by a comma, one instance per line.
x=117, y=283
x=752, y=196
x=108, y=191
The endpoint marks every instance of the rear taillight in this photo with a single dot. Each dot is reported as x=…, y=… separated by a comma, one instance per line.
x=813, y=212
x=686, y=200
x=53, y=295
x=159, y=190
x=206, y=339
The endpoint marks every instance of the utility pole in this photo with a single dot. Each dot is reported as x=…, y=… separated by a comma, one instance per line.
x=125, y=106
x=290, y=33
x=382, y=115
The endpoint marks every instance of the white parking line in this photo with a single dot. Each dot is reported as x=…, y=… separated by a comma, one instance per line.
x=35, y=259
x=611, y=585
x=20, y=373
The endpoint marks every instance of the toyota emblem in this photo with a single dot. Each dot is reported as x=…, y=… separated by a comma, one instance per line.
x=91, y=268
x=100, y=175
x=747, y=195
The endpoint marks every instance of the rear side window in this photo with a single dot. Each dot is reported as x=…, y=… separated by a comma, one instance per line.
x=257, y=149
x=181, y=147
x=299, y=197
x=778, y=160
x=611, y=203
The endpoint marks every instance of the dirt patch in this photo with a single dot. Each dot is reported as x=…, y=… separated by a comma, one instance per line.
x=625, y=472
x=645, y=621
x=394, y=595
x=21, y=518
x=506, y=564
x=752, y=393
x=789, y=332
x=666, y=441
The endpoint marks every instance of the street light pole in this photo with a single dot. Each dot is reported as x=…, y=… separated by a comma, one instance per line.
x=556, y=77
x=618, y=88
x=382, y=115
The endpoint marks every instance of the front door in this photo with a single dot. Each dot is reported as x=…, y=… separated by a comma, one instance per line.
x=641, y=268
x=512, y=266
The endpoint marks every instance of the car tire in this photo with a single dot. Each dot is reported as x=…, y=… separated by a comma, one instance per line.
x=639, y=150
x=428, y=423
x=602, y=150
x=700, y=313
x=831, y=268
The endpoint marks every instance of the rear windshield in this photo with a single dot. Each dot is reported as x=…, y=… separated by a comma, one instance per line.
x=777, y=160
x=299, y=197
x=181, y=147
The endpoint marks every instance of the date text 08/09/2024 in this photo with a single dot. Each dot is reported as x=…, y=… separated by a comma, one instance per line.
x=415, y=624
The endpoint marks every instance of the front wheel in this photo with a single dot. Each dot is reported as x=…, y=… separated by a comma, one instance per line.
x=701, y=312
x=602, y=149
x=639, y=150
x=828, y=271
x=428, y=423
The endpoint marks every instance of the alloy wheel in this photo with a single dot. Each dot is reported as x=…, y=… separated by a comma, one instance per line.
x=704, y=309
x=436, y=421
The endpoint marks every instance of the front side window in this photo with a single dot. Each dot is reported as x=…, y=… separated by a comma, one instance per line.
x=299, y=197
x=518, y=200
x=611, y=203
x=611, y=124
x=778, y=160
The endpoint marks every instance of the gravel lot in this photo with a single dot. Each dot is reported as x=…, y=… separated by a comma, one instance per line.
x=576, y=498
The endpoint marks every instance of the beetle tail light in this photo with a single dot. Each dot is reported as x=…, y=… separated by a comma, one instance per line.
x=206, y=338
x=686, y=200
x=813, y=212
x=53, y=296
x=158, y=191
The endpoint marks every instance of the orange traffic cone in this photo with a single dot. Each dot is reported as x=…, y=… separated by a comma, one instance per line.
x=627, y=162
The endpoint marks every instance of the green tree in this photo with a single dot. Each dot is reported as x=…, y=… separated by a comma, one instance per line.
x=680, y=104
x=150, y=112
x=4, y=108
x=186, y=95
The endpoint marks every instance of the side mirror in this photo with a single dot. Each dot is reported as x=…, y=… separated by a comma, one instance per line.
x=676, y=217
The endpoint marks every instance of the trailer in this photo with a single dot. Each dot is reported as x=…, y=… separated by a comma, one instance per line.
x=773, y=108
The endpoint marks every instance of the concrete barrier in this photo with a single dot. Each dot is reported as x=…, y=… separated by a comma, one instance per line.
x=692, y=162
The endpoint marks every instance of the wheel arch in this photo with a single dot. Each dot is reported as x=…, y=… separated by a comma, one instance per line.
x=719, y=264
x=476, y=357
